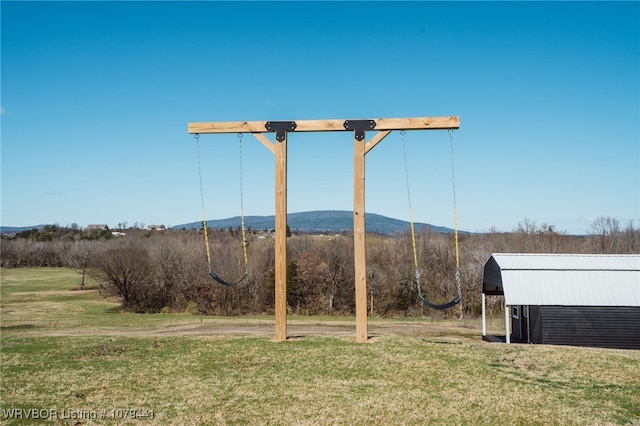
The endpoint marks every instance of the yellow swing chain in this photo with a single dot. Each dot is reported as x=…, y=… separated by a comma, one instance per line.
x=455, y=219
x=413, y=233
x=204, y=214
x=244, y=238
x=455, y=222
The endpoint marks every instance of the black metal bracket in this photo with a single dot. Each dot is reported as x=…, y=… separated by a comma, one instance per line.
x=281, y=128
x=359, y=126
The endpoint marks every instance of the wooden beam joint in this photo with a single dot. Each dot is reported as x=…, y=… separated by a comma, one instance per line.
x=280, y=127
x=359, y=127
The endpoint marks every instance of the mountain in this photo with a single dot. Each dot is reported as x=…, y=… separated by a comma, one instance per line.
x=318, y=222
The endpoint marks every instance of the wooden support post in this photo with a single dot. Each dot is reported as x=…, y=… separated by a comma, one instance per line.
x=359, y=253
x=281, y=240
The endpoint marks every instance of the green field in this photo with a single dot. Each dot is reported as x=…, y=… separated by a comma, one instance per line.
x=71, y=353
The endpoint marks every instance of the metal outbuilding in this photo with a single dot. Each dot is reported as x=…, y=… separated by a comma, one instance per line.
x=573, y=299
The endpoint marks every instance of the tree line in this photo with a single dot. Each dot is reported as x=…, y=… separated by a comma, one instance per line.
x=155, y=271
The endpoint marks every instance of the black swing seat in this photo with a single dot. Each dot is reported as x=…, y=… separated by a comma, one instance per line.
x=451, y=304
x=225, y=283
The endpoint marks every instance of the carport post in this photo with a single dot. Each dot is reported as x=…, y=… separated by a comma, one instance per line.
x=484, y=318
x=507, y=333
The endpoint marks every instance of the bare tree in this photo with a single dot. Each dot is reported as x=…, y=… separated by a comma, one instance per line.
x=153, y=271
x=78, y=256
x=127, y=266
x=336, y=254
x=313, y=282
x=16, y=252
x=607, y=232
x=261, y=260
x=630, y=239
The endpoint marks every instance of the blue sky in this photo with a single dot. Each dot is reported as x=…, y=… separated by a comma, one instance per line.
x=96, y=97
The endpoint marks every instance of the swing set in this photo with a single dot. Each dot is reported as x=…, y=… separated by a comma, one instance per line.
x=384, y=126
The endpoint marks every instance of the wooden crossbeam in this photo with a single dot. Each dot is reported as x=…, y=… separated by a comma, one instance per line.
x=337, y=125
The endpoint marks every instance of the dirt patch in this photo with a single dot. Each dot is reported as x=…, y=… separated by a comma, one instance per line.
x=438, y=333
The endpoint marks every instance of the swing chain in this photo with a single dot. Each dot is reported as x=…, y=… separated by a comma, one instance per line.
x=417, y=275
x=413, y=238
x=240, y=155
x=455, y=222
x=406, y=167
x=455, y=214
x=204, y=214
x=412, y=227
x=244, y=235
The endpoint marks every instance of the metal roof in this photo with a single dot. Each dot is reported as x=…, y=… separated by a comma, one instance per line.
x=564, y=279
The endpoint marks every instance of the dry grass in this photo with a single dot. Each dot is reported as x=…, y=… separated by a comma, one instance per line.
x=426, y=373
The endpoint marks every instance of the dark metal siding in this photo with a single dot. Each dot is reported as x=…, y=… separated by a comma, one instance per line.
x=492, y=278
x=596, y=326
x=516, y=335
x=522, y=327
x=536, y=324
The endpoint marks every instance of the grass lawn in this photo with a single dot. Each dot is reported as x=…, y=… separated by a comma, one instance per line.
x=73, y=352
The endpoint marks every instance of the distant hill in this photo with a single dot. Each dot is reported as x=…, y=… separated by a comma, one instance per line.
x=319, y=222
x=309, y=222
x=18, y=229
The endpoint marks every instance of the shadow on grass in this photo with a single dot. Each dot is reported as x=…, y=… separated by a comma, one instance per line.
x=18, y=327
